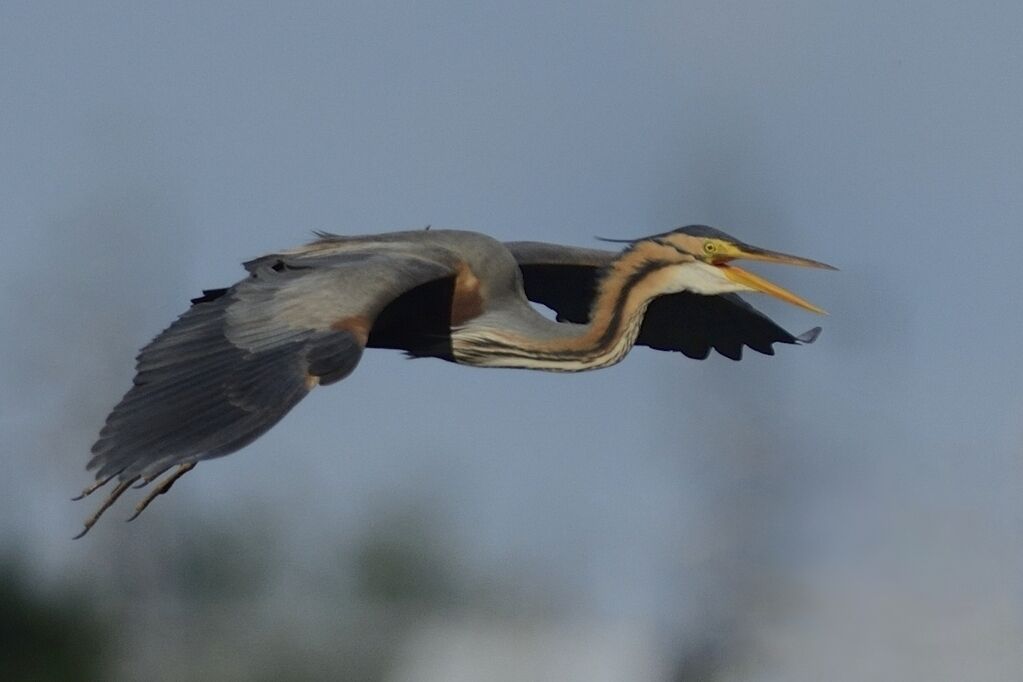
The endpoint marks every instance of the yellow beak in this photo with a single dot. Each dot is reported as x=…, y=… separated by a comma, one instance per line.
x=747, y=252
x=757, y=283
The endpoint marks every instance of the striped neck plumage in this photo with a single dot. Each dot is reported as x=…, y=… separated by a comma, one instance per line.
x=624, y=291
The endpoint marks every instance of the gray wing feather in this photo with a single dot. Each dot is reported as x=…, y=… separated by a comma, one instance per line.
x=542, y=253
x=234, y=364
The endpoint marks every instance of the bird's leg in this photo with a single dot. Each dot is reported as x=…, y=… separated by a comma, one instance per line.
x=94, y=487
x=164, y=486
x=111, y=498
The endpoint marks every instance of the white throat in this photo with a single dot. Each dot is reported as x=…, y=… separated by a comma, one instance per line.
x=702, y=278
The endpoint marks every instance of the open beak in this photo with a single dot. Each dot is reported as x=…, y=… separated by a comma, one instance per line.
x=757, y=283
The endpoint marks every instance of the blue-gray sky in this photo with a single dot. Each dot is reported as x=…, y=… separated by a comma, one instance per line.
x=148, y=148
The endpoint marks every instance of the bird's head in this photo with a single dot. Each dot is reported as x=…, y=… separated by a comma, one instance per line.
x=701, y=258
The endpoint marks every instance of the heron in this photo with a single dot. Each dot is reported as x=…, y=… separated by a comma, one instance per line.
x=241, y=357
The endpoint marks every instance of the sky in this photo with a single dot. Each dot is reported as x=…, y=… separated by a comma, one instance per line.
x=850, y=509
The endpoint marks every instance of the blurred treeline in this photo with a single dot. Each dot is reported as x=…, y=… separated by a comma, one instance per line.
x=206, y=608
x=215, y=603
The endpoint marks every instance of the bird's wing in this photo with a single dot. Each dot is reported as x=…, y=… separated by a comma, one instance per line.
x=240, y=358
x=565, y=278
x=693, y=324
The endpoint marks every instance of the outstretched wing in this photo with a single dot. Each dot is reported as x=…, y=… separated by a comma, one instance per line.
x=693, y=324
x=565, y=279
x=240, y=358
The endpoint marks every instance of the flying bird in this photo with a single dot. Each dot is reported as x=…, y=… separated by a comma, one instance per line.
x=240, y=358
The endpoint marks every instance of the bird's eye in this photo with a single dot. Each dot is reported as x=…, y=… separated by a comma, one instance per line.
x=709, y=247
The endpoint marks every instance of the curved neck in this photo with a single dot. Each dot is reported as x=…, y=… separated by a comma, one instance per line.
x=624, y=291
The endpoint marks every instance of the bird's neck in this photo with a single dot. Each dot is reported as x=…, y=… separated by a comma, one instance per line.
x=623, y=293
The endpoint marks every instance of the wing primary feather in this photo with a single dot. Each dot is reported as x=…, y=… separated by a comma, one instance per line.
x=809, y=336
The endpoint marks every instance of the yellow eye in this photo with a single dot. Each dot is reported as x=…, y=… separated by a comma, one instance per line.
x=710, y=248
